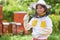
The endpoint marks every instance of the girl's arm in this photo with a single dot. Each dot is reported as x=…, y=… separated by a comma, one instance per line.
x=49, y=25
x=26, y=19
x=27, y=25
x=48, y=29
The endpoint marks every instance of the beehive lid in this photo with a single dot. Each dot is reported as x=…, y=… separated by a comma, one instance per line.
x=5, y=23
x=20, y=12
x=18, y=23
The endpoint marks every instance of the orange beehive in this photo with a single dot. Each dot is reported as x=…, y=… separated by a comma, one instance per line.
x=0, y=28
x=0, y=20
x=18, y=17
x=18, y=27
x=5, y=27
x=0, y=11
x=13, y=27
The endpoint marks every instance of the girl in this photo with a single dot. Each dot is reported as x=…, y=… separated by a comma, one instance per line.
x=41, y=24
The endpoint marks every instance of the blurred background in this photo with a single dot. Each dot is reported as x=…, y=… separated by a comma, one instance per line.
x=10, y=6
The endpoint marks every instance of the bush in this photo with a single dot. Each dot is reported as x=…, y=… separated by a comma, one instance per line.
x=56, y=23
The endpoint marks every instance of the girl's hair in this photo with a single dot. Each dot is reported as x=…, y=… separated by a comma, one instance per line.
x=44, y=11
x=42, y=6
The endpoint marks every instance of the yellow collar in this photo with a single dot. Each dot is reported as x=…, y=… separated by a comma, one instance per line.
x=42, y=14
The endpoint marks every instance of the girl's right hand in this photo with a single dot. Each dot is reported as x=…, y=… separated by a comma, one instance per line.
x=28, y=27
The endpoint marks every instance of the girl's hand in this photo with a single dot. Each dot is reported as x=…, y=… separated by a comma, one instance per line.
x=46, y=31
x=28, y=27
x=49, y=30
x=26, y=17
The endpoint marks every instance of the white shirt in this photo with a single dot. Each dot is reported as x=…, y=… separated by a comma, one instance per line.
x=39, y=24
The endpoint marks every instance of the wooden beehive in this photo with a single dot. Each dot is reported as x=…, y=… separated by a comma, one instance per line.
x=18, y=27
x=18, y=17
x=0, y=19
x=0, y=28
x=5, y=27
x=0, y=11
x=13, y=28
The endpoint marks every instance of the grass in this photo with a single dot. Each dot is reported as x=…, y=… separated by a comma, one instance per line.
x=16, y=37
x=54, y=37
x=27, y=37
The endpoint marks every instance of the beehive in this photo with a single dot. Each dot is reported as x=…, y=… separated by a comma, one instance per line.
x=0, y=11
x=5, y=27
x=18, y=27
x=13, y=28
x=18, y=17
x=0, y=19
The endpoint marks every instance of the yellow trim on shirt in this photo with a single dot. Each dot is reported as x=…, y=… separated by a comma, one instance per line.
x=34, y=23
x=43, y=24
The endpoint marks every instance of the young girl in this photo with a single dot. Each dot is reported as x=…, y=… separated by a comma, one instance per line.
x=41, y=24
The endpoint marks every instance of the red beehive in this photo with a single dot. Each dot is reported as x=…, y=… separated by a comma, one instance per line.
x=0, y=11
x=0, y=28
x=13, y=28
x=0, y=19
x=18, y=17
x=5, y=27
x=18, y=27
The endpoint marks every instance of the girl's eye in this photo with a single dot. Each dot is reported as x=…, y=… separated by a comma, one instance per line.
x=39, y=8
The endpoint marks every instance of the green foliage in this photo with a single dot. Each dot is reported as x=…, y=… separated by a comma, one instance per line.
x=56, y=21
x=53, y=36
x=5, y=37
x=10, y=6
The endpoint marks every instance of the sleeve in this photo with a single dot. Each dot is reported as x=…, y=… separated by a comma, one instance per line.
x=49, y=22
x=29, y=25
x=49, y=26
x=30, y=22
x=26, y=19
x=48, y=29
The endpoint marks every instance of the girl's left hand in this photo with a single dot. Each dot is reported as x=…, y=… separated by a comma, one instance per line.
x=48, y=31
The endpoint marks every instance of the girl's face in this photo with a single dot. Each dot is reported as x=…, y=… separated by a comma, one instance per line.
x=40, y=10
